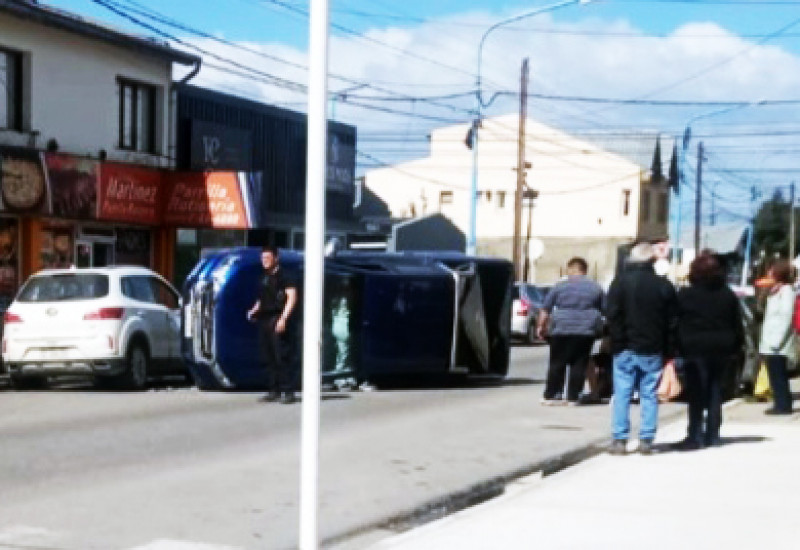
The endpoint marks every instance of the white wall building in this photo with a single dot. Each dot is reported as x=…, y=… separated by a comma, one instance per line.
x=591, y=200
x=83, y=88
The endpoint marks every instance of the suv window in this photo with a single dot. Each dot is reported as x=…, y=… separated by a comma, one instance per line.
x=56, y=288
x=164, y=294
x=138, y=287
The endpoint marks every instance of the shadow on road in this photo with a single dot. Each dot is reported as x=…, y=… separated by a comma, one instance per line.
x=662, y=448
x=460, y=383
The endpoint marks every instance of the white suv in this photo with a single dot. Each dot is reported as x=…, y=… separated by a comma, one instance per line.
x=119, y=324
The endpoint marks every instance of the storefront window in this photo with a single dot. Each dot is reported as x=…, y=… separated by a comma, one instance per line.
x=191, y=242
x=9, y=260
x=132, y=247
x=56, y=246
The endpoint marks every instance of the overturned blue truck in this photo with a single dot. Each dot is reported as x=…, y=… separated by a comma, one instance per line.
x=387, y=317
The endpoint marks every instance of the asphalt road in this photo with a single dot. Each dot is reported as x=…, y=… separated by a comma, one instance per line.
x=83, y=469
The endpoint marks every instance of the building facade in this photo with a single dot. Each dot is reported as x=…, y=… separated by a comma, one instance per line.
x=98, y=168
x=591, y=199
x=218, y=131
x=85, y=110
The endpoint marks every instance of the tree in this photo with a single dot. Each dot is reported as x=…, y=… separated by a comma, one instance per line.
x=771, y=226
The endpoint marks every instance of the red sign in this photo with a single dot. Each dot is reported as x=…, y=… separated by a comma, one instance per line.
x=210, y=199
x=130, y=193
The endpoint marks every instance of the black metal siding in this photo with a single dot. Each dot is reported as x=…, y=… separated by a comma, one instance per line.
x=279, y=139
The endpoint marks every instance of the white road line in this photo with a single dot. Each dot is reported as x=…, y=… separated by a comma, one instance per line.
x=167, y=544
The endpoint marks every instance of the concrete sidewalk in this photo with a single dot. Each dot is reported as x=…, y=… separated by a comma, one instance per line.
x=744, y=493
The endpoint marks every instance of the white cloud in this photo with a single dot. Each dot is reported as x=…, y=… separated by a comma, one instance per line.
x=731, y=68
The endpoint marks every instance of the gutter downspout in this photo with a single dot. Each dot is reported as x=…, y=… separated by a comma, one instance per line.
x=173, y=115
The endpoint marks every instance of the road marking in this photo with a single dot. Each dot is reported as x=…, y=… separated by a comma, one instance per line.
x=167, y=544
x=27, y=535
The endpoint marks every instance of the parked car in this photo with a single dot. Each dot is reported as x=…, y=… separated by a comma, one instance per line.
x=117, y=324
x=527, y=302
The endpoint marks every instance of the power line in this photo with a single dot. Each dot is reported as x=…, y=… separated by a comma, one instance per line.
x=372, y=40
x=137, y=8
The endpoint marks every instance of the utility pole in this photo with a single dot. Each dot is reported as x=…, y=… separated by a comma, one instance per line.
x=698, y=197
x=523, y=114
x=712, y=217
x=791, y=222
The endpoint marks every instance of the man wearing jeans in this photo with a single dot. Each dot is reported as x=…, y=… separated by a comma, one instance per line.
x=642, y=319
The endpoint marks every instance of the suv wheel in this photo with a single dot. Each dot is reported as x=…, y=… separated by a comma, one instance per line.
x=135, y=377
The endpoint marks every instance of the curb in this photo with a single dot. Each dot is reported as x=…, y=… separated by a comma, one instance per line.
x=483, y=491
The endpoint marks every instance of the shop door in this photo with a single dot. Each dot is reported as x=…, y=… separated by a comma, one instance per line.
x=93, y=253
x=83, y=253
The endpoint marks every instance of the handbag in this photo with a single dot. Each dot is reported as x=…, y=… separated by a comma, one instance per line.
x=669, y=387
x=761, y=390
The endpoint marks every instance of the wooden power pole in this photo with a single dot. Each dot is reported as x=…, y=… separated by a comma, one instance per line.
x=518, y=196
x=698, y=197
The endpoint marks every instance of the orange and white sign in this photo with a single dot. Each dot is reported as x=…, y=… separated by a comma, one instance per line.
x=205, y=199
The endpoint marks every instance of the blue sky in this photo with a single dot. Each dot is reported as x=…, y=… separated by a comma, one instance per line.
x=264, y=21
x=667, y=50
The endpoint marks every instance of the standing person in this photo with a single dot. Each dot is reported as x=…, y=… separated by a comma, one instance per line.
x=710, y=332
x=276, y=302
x=574, y=310
x=641, y=316
x=777, y=344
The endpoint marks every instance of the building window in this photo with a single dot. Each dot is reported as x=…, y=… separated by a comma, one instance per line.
x=11, y=88
x=645, y=205
x=445, y=197
x=626, y=202
x=663, y=207
x=501, y=199
x=137, y=116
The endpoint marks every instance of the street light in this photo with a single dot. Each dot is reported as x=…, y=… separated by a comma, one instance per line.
x=687, y=136
x=479, y=105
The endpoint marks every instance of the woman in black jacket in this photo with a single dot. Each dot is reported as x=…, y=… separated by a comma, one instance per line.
x=710, y=332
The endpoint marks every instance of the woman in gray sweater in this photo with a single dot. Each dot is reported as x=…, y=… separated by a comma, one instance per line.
x=777, y=345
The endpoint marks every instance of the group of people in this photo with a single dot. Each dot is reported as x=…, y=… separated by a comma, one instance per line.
x=650, y=325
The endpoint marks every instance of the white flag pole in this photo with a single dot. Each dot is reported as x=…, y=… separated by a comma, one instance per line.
x=314, y=267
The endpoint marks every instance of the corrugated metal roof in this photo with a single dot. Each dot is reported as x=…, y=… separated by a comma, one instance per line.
x=722, y=239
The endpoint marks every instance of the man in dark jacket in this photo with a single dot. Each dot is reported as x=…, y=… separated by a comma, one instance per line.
x=277, y=298
x=642, y=319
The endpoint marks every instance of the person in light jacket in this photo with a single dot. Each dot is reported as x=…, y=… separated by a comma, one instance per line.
x=777, y=345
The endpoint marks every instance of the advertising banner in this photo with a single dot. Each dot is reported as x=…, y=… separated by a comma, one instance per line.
x=205, y=199
x=23, y=185
x=130, y=193
x=73, y=186
x=220, y=147
x=340, y=171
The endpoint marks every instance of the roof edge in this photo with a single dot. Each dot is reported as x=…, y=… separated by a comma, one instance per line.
x=32, y=11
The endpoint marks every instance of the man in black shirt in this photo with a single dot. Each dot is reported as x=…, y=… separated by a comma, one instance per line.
x=277, y=298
